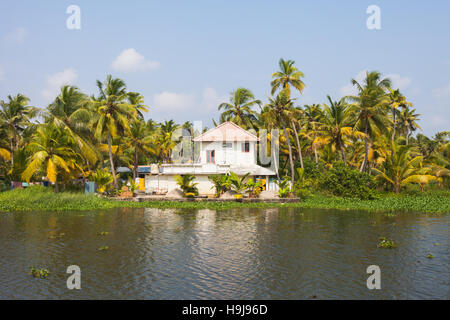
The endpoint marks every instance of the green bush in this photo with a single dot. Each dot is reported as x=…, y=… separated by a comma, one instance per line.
x=348, y=182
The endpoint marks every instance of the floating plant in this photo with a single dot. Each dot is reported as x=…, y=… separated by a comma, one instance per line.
x=39, y=273
x=386, y=244
x=103, y=233
x=430, y=256
x=104, y=248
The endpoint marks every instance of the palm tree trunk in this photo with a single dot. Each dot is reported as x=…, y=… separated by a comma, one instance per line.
x=56, y=184
x=316, y=157
x=407, y=136
x=299, y=148
x=135, y=163
x=366, y=153
x=344, y=158
x=393, y=127
x=275, y=162
x=113, y=170
x=290, y=154
x=12, y=153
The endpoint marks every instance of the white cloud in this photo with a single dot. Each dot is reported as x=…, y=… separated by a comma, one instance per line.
x=442, y=92
x=350, y=89
x=130, y=61
x=56, y=81
x=399, y=82
x=211, y=99
x=172, y=101
x=17, y=36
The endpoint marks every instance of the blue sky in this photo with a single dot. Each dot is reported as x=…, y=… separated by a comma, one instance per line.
x=185, y=57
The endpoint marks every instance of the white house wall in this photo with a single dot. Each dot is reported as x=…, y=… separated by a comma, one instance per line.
x=167, y=183
x=233, y=155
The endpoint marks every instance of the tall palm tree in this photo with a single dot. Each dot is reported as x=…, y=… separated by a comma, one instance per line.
x=140, y=141
x=287, y=76
x=16, y=116
x=239, y=109
x=279, y=109
x=112, y=113
x=165, y=140
x=51, y=149
x=70, y=110
x=408, y=122
x=337, y=122
x=396, y=100
x=370, y=106
x=312, y=115
x=137, y=100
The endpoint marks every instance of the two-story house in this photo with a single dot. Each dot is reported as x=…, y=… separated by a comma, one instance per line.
x=224, y=148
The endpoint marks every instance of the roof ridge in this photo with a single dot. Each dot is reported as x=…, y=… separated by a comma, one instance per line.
x=223, y=124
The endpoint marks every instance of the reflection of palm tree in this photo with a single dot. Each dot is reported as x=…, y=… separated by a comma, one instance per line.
x=370, y=108
x=239, y=109
x=112, y=113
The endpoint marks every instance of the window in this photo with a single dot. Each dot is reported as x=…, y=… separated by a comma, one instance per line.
x=227, y=145
x=246, y=147
x=211, y=156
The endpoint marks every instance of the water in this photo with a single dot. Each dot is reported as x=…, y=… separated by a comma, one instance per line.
x=231, y=254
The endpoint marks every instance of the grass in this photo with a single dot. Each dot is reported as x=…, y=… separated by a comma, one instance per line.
x=41, y=198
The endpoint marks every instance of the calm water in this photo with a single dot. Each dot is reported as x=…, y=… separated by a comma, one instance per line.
x=235, y=254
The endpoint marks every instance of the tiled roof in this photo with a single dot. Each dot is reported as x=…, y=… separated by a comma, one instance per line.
x=227, y=131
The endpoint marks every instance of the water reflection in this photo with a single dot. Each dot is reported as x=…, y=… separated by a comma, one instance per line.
x=232, y=254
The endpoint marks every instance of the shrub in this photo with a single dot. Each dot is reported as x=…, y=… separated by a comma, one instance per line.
x=284, y=188
x=187, y=184
x=348, y=182
x=221, y=183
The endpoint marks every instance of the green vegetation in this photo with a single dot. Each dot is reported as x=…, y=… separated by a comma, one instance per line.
x=386, y=244
x=103, y=248
x=41, y=198
x=186, y=184
x=353, y=147
x=39, y=273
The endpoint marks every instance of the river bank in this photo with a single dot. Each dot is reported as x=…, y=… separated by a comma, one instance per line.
x=40, y=198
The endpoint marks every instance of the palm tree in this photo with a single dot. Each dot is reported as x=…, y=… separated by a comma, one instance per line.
x=239, y=109
x=396, y=100
x=408, y=122
x=370, y=107
x=187, y=184
x=165, y=140
x=401, y=169
x=279, y=110
x=16, y=116
x=112, y=113
x=140, y=141
x=70, y=111
x=137, y=100
x=312, y=115
x=51, y=149
x=337, y=123
x=287, y=76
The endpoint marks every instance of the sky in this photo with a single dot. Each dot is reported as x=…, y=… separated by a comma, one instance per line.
x=186, y=57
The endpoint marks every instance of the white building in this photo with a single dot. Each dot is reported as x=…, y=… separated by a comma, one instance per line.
x=224, y=148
